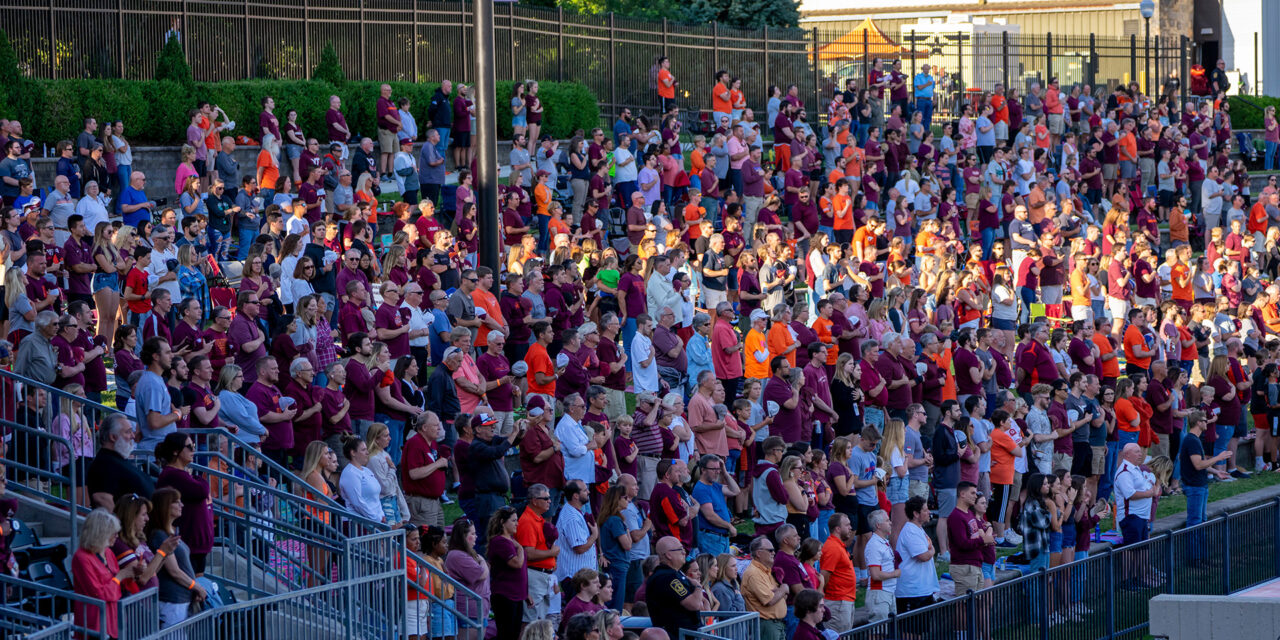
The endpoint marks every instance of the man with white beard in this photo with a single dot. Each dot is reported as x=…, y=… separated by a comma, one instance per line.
x=112, y=474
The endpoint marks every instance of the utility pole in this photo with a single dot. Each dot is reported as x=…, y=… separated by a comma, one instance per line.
x=486, y=135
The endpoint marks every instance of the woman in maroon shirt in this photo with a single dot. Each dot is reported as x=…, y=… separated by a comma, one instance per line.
x=126, y=340
x=178, y=451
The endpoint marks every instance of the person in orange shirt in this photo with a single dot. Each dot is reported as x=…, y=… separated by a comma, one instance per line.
x=1106, y=351
x=1180, y=279
x=484, y=298
x=755, y=348
x=864, y=240
x=1137, y=351
x=781, y=340
x=842, y=212
x=542, y=210
x=822, y=328
x=1081, y=301
x=1128, y=419
x=694, y=214
x=721, y=97
x=541, y=556
x=666, y=85
x=542, y=369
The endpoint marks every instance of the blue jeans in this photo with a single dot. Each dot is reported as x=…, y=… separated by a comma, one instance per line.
x=791, y=621
x=1197, y=503
x=544, y=235
x=479, y=508
x=988, y=238
x=820, y=528
x=1105, y=483
x=628, y=334
x=123, y=171
x=925, y=106
x=247, y=235
x=1222, y=438
x=712, y=543
x=396, y=427
x=443, y=146
x=1269, y=155
x=1040, y=562
x=873, y=417
x=618, y=573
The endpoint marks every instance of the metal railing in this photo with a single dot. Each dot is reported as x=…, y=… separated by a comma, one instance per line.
x=1106, y=595
x=370, y=606
x=725, y=625
x=21, y=598
x=59, y=631
x=15, y=623
x=140, y=614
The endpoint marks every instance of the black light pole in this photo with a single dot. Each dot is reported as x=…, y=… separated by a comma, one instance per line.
x=486, y=135
x=1147, y=8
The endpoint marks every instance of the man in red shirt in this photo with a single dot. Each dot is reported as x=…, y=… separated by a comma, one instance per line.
x=424, y=471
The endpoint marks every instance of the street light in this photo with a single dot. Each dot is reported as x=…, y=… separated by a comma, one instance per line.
x=1147, y=8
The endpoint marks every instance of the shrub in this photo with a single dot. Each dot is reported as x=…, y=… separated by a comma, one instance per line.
x=171, y=64
x=329, y=69
x=155, y=111
x=1244, y=115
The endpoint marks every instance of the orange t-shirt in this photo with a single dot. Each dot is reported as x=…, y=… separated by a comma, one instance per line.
x=943, y=360
x=840, y=204
x=924, y=242
x=856, y=157
x=778, y=341
x=539, y=361
x=822, y=327
x=1128, y=147
x=697, y=161
x=554, y=227
x=1002, y=458
x=1110, y=368
x=719, y=104
x=835, y=176
x=529, y=533
x=1133, y=338
x=664, y=91
x=842, y=585
x=270, y=173
x=489, y=302
x=864, y=238
x=1126, y=413
x=1178, y=226
x=1080, y=289
x=693, y=214
x=753, y=344
x=1257, y=218
x=542, y=199
x=1180, y=292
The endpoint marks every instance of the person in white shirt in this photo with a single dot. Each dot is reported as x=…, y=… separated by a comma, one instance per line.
x=579, y=462
x=1211, y=198
x=1134, y=490
x=880, y=599
x=358, y=485
x=643, y=357
x=162, y=250
x=575, y=532
x=918, y=579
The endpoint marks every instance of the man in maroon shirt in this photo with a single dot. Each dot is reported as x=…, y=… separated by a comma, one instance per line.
x=336, y=124
x=308, y=421
x=424, y=471
x=613, y=366
x=670, y=512
x=501, y=394
x=245, y=338
x=969, y=370
x=388, y=127
x=278, y=420
x=362, y=382
x=1034, y=364
x=267, y=121
x=391, y=322
x=783, y=389
x=889, y=366
x=337, y=410
x=541, y=459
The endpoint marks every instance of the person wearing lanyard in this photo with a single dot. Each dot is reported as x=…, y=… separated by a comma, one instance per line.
x=924, y=84
x=714, y=525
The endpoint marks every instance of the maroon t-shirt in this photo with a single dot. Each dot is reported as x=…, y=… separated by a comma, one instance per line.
x=389, y=317
x=334, y=117
x=964, y=361
x=492, y=368
x=267, y=399
x=200, y=397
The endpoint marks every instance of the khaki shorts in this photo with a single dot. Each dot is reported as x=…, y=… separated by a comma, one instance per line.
x=918, y=489
x=881, y=603
x=388, y=142
x=841, y=615
x=425, y=511
x=1160, y=448
x=971, y=200
x=1109, y=171
x=1062, y=461
x=1099, y=460
x=1055, y=123
x=967, y=577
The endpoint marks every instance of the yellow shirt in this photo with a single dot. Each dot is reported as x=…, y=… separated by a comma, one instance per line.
x=757, y=589
x=755, y=343
x=1080, y=289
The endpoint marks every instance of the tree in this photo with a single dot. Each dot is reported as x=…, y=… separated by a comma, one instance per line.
x=171, y=64
x=329, y=69
x=10, y=74
x=755, y=14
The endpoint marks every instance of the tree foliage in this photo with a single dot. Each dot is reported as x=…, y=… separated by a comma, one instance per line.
x=329, y=69
x=743, y=14
x=171, y=64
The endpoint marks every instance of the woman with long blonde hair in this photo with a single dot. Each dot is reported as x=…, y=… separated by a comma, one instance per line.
x=893, y=460
x=394, y=507
x=107, y=280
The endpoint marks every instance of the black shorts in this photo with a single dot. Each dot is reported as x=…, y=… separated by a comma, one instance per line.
x=816, y=174
x=1081, y=459
x=201, y=169
x=998, y=505
x=863, y=523
x=1168, y=198
x=460, y=140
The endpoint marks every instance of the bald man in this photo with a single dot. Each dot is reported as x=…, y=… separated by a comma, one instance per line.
x=674, y=600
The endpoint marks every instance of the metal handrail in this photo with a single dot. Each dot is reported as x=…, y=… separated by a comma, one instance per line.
x=21, y=590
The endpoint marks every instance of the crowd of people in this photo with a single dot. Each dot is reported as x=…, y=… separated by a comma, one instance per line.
x=741, y=371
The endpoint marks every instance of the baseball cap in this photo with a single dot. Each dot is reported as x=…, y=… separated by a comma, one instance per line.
x=588, y=328
x=451, y=351
x=405, y=139
x=759, y=314
x=537, y=406
x=483, y=419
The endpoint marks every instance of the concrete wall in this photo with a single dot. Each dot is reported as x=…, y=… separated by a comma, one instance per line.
x=1214, y=617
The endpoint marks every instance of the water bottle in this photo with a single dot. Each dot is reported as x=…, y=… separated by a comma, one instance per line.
x=1097, y=533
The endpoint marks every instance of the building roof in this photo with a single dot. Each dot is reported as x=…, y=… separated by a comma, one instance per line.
x=866, y=39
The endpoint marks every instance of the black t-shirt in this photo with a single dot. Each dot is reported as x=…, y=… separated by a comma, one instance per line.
x=664, y=592
x=1192, y=446
x=716, y=262
x=110, y=473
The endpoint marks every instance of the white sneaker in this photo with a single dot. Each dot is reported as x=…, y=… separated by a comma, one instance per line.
x=1012, y=537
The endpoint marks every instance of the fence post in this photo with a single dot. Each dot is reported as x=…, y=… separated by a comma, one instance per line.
x=715, y=46
x=1004, y=58
x=248, y=48
x=664, y=36
x=1277, y=533
x=1111, y=592
x=413, y=46
x=511, y=42
x=306, y=39
x=765, y=37
x=1042, y=577
x=119, y=26
x=466, y=50
x=53, y=44
x=866, y=58
x=1184, y=71
x=560, y=41
x=1093, y=57
x=971, y=613
x=1170, y=557
x=911, y=42
x=1133, y=57
x=613, y=74
x=364, y=57
x=817, y=90
x=1048, y=57
x=1226, y=554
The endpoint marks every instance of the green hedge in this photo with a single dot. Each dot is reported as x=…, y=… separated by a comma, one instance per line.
x=154, y=112
x=1245, y=116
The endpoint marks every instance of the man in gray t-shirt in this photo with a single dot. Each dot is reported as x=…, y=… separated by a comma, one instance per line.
x=913, y=448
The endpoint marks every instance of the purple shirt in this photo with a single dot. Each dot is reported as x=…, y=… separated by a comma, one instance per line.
x=334, y=117
x=816, y=385
x=267, y=399
x=360, y=390
x=787, y=422
x=966, y=547
x=95, y=372
x=889, y=369
x=200, y=398
x=493, y=367
x=964, y=361
x=75, y=253
x=331, y=403
x=270, y=123
x=385, y=109
x=389, y=317
x=242, y=331
x=512, y=584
